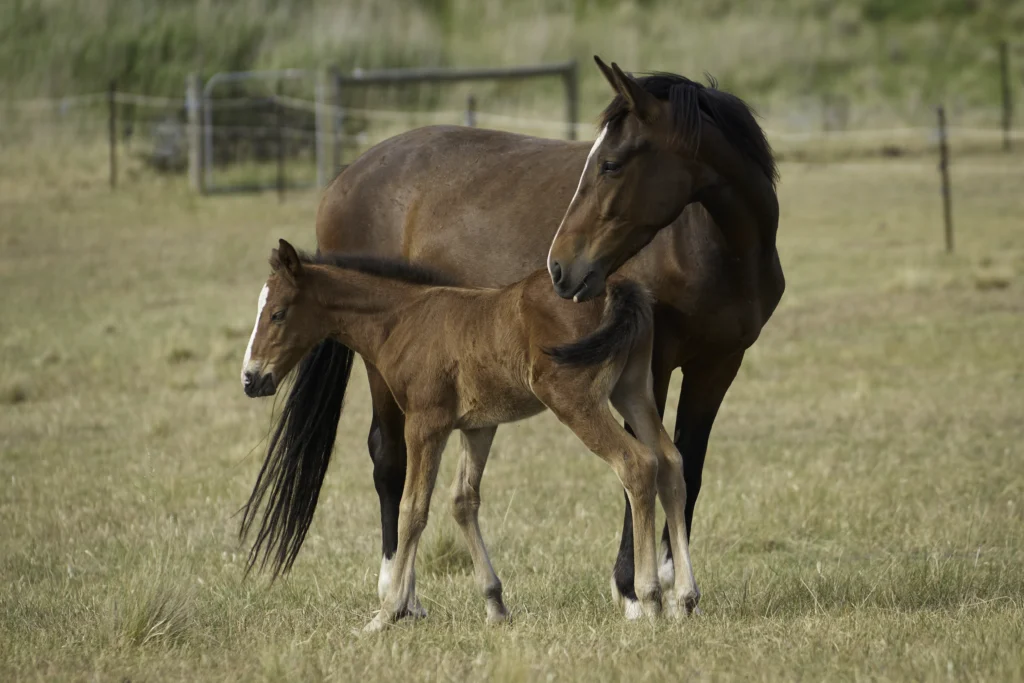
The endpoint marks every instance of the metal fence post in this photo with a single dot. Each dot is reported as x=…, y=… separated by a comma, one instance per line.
x=112, y=108
x=279, y=121
x=947, y=210
x=572, y=96
x=1004, y=69
x=337, y=133
x=471, y=111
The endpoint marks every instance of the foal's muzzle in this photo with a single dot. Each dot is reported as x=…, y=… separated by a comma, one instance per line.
x=257, y=385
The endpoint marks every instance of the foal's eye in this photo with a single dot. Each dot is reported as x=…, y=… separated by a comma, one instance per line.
x=610, y=167
x=278, y=317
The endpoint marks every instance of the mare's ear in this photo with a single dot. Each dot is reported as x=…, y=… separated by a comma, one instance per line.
x=607, y=72
x=641, y=103
x=285, y=260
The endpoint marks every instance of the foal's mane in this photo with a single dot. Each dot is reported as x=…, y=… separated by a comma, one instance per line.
x=689, y=100
x=379, y=266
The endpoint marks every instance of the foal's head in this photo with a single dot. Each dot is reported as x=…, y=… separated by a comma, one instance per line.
x=289, y=324
x=641, y=172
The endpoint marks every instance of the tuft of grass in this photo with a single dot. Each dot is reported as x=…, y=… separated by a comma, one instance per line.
x=152, y=611
x=179, y=355
x=14, y=391
x=993, y=278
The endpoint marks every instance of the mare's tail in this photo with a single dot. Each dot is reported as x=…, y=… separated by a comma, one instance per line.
x=627, y=316
x=297, y=458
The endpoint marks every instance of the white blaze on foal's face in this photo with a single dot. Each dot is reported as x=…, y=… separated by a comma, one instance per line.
x=252, y=338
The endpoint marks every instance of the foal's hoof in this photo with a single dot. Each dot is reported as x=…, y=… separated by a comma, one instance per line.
x=377, y=624
x=415, y=610
x=496, y=613
x=676, y=608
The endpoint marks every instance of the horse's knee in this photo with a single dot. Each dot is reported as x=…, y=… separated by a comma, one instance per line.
x=465, y=503
x=640, y=470
x=414, y=514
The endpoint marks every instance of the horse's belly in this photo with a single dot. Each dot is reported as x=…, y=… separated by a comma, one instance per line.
x=493, y=408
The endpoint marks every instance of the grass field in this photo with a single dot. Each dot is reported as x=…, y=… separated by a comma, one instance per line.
x=863, y=507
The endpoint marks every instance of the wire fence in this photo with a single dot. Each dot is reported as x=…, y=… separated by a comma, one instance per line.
x=261, y=136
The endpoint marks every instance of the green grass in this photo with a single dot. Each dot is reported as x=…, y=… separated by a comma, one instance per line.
x=862, y=514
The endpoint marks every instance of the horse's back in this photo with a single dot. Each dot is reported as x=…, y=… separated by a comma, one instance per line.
x=479, y=205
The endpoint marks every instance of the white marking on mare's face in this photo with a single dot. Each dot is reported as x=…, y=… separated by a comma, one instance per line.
x=259, y=311
x=583, y=174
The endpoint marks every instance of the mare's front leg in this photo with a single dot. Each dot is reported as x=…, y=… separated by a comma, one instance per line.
x=476, y=445
x=386, y=442
x=425, y=436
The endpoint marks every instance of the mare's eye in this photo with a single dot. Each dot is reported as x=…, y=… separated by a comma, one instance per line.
x=278, y=317
x=610, y=167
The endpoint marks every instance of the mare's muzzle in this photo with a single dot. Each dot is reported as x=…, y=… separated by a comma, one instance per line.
x=578, y=280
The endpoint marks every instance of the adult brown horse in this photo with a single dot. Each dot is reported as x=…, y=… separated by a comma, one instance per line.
x=677, y=166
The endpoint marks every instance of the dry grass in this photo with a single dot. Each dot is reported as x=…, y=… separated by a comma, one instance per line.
x=862, y=514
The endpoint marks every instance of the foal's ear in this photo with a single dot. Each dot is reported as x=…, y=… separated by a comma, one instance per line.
x=285, y=260
x=642, y=103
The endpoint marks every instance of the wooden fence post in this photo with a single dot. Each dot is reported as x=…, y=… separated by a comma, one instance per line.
x=112, y=109
x=1004, y=70
x=947, y=210
x=195, y=133
x=471, y=111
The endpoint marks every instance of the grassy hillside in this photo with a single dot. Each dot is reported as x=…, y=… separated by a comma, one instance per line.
x=898, y=55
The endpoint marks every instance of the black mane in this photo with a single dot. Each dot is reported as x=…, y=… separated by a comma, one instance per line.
x=689, y=100
x=389, y=268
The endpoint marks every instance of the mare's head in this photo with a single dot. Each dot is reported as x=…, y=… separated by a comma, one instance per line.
x=288, y=324
x=641, y=173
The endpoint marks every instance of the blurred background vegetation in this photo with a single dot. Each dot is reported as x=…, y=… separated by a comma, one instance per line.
x=898, y=55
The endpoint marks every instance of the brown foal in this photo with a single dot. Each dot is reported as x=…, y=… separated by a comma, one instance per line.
x=471, y=359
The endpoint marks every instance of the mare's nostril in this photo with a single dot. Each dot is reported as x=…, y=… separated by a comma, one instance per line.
x=556, y=272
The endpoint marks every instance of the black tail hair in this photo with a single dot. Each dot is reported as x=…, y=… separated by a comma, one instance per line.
x=297, y=458
x=627, y=314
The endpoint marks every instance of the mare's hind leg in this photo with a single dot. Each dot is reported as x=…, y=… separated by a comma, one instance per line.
x=465, y=507
x=634, y=463
x=387, y=450
x=425, y=437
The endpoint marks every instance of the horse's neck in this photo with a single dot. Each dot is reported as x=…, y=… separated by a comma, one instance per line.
x=360, y=308
x=741, y=199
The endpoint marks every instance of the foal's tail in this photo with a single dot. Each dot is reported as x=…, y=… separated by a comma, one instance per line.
x=297, y=458
x=627, y=316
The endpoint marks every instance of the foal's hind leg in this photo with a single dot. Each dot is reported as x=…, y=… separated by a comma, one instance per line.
x=425, y=439
x=637, y=468
x=465, y=506
x=636, y=404
x=387, y=450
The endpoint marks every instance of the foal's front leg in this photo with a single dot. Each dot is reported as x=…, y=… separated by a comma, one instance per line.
x=465, y=508
x=425, y=437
